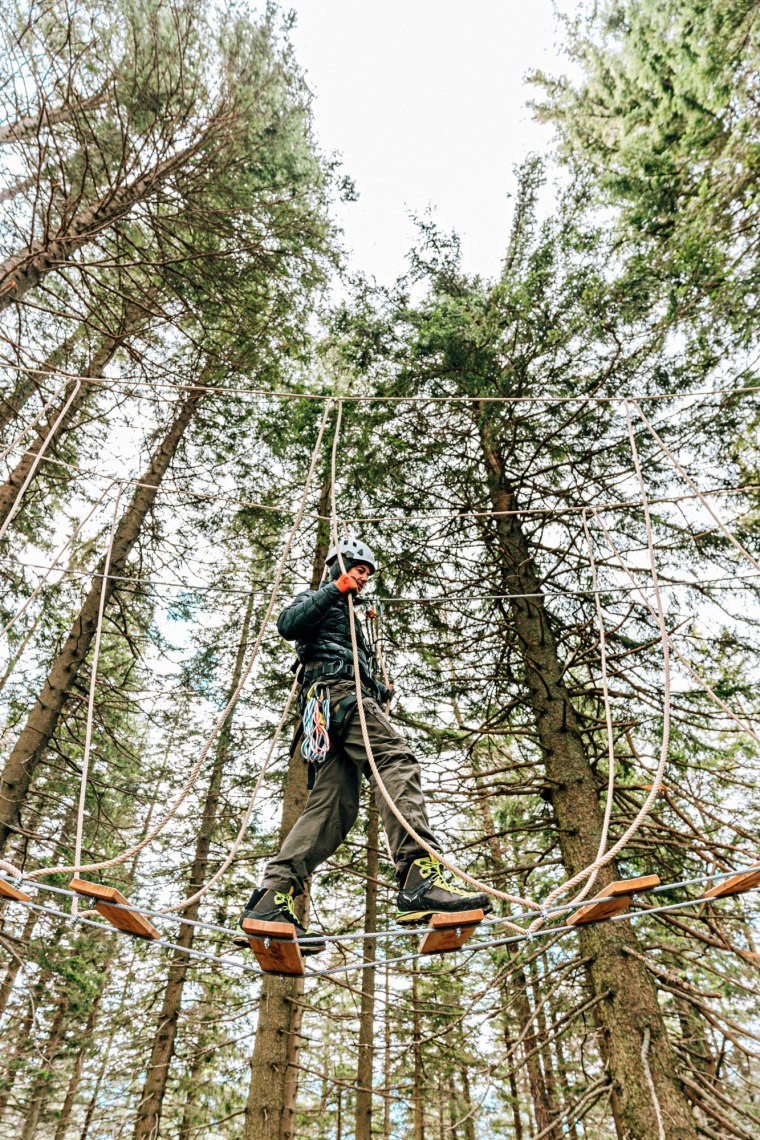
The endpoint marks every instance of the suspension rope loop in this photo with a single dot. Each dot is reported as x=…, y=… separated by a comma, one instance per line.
x=226, y=711
x=646, y=807
x=743, y=725
x=362, y=719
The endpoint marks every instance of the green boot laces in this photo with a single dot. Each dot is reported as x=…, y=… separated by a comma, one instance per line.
x=429, y=867
x=285, y=898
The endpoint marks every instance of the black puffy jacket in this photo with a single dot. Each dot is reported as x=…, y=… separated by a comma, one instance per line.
x=317, y=620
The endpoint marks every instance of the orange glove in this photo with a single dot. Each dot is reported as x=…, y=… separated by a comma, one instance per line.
x=346, y=584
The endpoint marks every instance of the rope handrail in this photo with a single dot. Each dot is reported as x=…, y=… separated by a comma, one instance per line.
x=436, y=516
x=437, y=599
x=282, y=394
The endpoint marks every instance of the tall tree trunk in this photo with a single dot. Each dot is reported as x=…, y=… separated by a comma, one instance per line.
x=367, y=1014
x=514, y=993
x=151, y=1100
x=13, y=967
x=418, y=1099
x=133, y=319
x=84, y=1048
x=43, y=718
x=41, y=1082
x=23, y=271
x=628, y=1005
x=271, y=1093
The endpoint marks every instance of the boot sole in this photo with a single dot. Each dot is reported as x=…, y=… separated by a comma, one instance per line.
x=419, y=917
x=307, y=949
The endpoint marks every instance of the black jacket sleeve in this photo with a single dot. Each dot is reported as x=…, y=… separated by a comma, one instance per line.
x=305, y=612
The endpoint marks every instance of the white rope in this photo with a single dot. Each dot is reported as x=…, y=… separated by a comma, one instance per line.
x=713, y=514
x=231, y=702
x=33, y=423
x=91, y=695
x=155, y=386
x=363, y=723
x=607, y=713
x=38, y=458
x=248, y=811
x=646, y=807
x=650, y=1082
x=435, y=516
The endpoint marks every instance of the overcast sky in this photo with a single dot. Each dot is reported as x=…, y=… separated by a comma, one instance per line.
x=425, y=102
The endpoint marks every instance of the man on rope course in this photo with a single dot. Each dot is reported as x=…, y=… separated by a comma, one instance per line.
x=318, y=622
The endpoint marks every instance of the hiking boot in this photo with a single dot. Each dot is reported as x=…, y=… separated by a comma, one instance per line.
x=431, y=889
x=267, y=904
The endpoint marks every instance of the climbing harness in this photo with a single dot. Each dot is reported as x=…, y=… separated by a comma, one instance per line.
x=316, y=724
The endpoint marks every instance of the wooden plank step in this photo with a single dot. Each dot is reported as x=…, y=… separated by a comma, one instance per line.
x=275, y=946
x=448, y=932
x=742, y=881
x=9, y=892
x=619, y=896
x=127, y=920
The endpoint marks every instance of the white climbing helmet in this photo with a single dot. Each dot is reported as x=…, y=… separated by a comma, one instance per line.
x=353, y=549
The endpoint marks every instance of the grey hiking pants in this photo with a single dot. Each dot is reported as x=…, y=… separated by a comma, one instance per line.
x=333, y=803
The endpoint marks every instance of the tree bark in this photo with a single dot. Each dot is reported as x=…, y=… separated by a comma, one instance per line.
x=30, y=125
x=41, y=1082
x=23, y=271
x=271, y=1093
x=365, y=1066
x=628, y=1003
x=85, y=1047
x=43, y=718
x=162, y=1051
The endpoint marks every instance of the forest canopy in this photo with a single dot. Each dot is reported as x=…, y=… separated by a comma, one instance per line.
x=558, y=472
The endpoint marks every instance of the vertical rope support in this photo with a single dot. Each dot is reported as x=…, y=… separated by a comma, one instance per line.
x=33, y=422
x=182, y=796
x=91, y=695
x=38, y=458
x=607, y=707
x=363, y=722
x=702, y=498
x=664, y=747
x=54, y=565
x=650, y=1082
x=742, y=724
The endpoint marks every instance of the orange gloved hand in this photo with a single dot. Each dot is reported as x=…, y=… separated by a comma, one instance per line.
x=346, y=584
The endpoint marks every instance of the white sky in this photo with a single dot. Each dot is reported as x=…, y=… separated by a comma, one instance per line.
x=425, y=102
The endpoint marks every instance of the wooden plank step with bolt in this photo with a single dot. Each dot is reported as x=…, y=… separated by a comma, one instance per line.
x=447, y=932
x=275, y=946
x=617, y=897
x=127, y=920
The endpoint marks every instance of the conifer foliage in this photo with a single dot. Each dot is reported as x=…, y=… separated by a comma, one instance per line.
x=558, y=471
